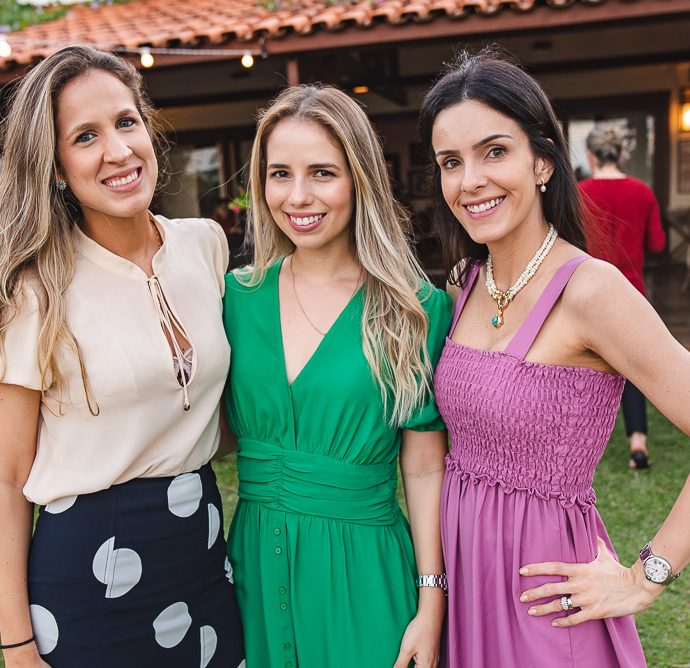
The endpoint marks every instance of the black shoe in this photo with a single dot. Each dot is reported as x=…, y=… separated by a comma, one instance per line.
x=640, y=460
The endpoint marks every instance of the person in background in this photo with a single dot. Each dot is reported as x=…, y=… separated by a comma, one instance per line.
x=529, y=384
x=112, y=361
x=622, y=220
x=334, y=331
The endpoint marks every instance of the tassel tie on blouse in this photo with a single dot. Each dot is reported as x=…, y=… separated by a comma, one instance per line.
x=169, y=323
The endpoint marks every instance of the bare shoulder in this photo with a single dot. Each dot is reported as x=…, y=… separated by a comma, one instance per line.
x=603, y=307
x=594, y=283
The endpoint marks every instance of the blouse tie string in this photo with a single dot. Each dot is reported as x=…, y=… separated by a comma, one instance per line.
x=169, y=323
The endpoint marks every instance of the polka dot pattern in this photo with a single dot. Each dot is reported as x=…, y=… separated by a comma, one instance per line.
x=45, y=628
x=172, y=624
x=228, y=571
x=118, y=569
x=184, y=494
x=108, y=556
x=209, y=642
x=213, y=524
x=61, y=505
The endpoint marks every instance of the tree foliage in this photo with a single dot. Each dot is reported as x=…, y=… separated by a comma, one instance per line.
x=17, y=17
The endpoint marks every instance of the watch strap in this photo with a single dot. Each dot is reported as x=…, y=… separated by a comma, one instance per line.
x=438, y=580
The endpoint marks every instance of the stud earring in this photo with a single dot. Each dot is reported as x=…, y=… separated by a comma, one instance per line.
x=542, y=187
x=61, y=184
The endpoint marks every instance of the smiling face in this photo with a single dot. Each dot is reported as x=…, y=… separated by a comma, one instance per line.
x=104, y=149
x=489, y=175
x=309, y=188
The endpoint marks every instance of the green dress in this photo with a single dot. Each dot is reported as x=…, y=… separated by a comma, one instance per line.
x=323, y=562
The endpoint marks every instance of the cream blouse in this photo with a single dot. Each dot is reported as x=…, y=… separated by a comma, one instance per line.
x=117, y=314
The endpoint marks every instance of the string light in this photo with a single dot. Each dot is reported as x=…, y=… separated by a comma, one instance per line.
x=147, y=59
x=145, y=53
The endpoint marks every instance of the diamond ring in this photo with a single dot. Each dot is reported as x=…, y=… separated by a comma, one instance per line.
x=566, y=603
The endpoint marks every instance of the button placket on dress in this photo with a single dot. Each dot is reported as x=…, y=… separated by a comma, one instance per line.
x=286, y=640
x=288, y=656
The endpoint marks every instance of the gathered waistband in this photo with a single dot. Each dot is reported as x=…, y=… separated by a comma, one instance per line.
x=300, y=482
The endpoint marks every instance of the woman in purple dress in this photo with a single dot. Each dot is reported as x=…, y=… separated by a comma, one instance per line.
x=529, y=383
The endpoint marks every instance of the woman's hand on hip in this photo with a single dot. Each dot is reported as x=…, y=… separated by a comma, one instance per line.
x=601, y=588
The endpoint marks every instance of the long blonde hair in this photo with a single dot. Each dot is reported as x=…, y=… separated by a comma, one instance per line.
x=36, y=218
x=394, y=324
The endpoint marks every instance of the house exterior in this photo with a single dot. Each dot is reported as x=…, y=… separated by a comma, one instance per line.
x=625, y=62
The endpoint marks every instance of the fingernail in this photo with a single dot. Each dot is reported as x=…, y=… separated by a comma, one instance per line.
x=523, y=597
x=555, y=624
x=523, y=571
x=532, y=611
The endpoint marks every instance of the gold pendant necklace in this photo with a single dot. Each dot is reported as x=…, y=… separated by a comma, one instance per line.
x=504, y=297
x=299, y=302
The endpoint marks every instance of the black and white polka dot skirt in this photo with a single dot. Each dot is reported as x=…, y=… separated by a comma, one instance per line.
x=136, y=576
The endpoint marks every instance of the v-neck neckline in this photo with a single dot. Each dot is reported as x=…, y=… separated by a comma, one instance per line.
x=348, y=306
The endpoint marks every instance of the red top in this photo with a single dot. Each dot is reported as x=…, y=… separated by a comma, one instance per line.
x=622, y=221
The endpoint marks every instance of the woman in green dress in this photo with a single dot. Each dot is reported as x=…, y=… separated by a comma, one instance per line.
x=334, y=334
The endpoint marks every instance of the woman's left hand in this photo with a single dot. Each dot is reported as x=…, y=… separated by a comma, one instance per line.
x=601, y=588
x=420, y=643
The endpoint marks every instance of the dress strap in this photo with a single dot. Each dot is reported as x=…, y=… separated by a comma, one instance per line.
x=464, y=294
x=524, y=338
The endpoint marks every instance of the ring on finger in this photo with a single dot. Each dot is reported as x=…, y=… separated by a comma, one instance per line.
x=566, y=603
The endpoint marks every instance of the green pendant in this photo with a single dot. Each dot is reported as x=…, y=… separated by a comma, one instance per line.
x=497, y=320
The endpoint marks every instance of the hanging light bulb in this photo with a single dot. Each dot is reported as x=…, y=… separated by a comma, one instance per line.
x=247, y=60
x=5, y=47
x=146, y=57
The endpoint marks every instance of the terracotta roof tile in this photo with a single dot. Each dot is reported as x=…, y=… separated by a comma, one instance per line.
x=193, y=23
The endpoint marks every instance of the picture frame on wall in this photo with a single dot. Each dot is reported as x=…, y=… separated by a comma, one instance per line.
x=419, y=182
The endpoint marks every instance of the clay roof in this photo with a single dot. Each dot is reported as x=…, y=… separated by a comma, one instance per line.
x=209, y=23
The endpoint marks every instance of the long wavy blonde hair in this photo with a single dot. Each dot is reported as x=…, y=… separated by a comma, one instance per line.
x=394, y=324
x=36, y=219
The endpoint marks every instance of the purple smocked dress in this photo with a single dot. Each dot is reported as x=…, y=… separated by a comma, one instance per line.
x=526, y=439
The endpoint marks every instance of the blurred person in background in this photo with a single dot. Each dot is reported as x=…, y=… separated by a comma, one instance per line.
x=622, y=220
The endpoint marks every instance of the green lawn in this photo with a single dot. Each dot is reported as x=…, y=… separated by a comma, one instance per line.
x=633, y=504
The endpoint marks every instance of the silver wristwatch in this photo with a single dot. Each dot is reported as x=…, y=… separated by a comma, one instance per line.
x=433, y=580
x=656, y=568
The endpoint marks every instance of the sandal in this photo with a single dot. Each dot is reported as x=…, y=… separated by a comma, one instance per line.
x=639, y=459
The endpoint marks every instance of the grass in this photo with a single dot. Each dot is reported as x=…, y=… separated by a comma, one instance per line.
x=633, y=505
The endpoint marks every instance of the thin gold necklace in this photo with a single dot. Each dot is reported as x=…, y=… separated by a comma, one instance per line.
x=299, y=302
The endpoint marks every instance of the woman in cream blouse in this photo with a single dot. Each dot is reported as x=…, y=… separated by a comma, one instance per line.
x=113, y=361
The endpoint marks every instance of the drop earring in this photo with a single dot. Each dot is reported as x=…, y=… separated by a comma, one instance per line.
x=542, y=187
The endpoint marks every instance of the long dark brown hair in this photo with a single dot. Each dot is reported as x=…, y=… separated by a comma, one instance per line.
x=490, y=78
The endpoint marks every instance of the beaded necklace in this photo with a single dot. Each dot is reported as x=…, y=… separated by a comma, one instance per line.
x=504, y=297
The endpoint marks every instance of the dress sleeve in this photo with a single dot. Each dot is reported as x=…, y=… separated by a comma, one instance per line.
x=221, y=257
x=19, y=354
x=439, y=307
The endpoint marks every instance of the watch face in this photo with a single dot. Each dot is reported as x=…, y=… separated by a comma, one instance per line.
x=657, y=570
